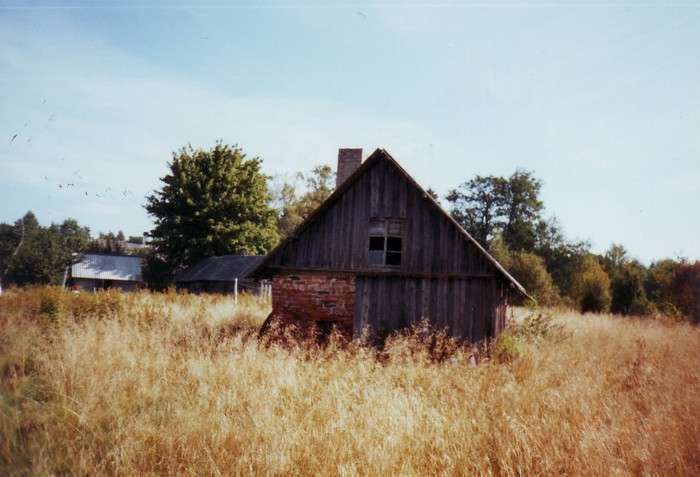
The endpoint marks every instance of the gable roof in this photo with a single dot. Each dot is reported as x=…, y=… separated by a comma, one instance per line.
x=108, y=267
x=376, y=156
x=224, y=268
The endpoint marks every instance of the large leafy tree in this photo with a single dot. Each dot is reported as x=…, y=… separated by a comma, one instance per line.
x=522, y=211
x=211, y=203
x=487, y=206
x=674, y=287
x=659, y=284
x=686, y=287
x=626, y=282
x=562, y=257
x=295, y=207
x=34, y=255
x=479, y=206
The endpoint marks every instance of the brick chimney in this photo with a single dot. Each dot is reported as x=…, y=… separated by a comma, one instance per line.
x=348, y=162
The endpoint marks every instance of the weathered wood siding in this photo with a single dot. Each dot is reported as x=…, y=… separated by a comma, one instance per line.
x=443, y=275
x=469, y=309
x=339, y=239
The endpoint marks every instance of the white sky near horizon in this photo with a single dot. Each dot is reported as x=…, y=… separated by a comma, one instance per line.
x=601, y=100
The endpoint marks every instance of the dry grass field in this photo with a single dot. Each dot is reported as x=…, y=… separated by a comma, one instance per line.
x=148, y=384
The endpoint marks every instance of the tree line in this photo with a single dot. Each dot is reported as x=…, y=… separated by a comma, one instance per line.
x=506, y=216
x=219, y=201
x=33, y=254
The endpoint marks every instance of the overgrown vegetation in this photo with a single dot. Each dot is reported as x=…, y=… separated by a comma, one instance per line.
x=146, y=384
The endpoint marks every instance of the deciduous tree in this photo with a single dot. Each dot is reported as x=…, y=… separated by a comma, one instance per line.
x=490, y=205
x=36, y=255
x=318, y=186
x=626, y=282
x=530, y=271
x=479, y=206
x=686, y=289
x=563, y=258
x=211, y=203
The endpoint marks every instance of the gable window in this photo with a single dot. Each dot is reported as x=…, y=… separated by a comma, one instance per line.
x=385, y=242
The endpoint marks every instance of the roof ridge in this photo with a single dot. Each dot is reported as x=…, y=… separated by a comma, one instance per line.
x=333, y=198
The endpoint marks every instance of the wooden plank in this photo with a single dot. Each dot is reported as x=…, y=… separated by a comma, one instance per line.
x=393, y=301
x=459, y=322
x=361, y=306
x=395, y=186
x=425, y=298
x=378, y=295
x=331, y=247
x=367, y=304
x=441, y=291
x=477, y=320
x=374, y=317
x=403, y=198
x=488, y=310
x=452, y=305
x=434, y=307
x=427, y=242
x=414, y=312
x=444, y=248
x=360, y=231
x=374, y=192
x=341, y=243
x=469, y=302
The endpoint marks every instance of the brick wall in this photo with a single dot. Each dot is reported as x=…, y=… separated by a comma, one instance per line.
x=348, y=162
x=315, y=298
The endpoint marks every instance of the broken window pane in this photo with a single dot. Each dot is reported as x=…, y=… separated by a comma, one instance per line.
x=376, y=243
x=393, y=244
x=385, y=241
x=393, y=258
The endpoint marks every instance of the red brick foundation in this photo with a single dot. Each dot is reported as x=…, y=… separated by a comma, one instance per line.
x=314, y=298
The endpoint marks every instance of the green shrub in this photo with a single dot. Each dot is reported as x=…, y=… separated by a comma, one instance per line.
x=507, y=347
x=536, y=326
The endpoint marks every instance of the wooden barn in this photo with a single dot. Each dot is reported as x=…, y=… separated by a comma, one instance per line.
x=226, y=274
x=381, y=254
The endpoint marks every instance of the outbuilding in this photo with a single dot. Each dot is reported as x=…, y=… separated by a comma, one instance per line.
x=380, y=254
x=226, y=274
x=101, y=272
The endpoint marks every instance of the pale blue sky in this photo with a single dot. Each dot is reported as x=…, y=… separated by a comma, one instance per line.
x=600, y=99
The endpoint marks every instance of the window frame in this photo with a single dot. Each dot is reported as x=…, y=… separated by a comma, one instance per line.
x=386, y=242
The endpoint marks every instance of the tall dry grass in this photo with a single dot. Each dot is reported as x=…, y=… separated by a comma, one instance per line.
x=177, y=384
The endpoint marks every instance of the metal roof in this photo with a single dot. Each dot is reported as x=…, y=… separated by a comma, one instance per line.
x=220, y=269
x=108, y=267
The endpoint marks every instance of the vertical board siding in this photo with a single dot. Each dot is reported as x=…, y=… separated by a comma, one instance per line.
x=443, y=276
x=339, y=238
x=389, y=303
